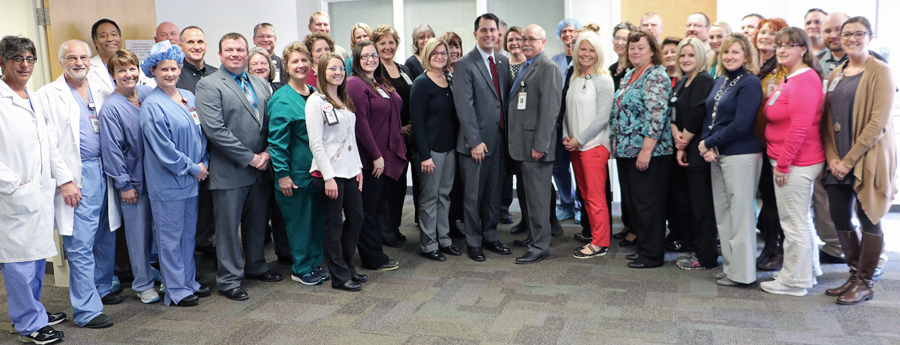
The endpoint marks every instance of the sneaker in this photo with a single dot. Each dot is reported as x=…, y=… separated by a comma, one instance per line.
x=686, y=255
x=389, y=266
x=721, y=275
x=323, y=273
x=116, y=286
x=728, y=282
x=311, y=278
x=111, y=298
x=46, y=335
x=563, y=214
x=577, y=219
x=774, y=287
x=690, y=264
x=162, y=288
x=54, y=319
x=148, y=296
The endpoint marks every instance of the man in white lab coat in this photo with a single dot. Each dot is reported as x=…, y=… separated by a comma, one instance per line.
x=30, y=169
x=70, y=105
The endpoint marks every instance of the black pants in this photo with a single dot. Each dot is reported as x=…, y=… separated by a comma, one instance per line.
x=703, y=215
x=645, y=193
x=375, y=192
x=678, y=207
x=206, y=225
x=278, y=228
x=841, y=199
x=341, y=236
x=768, y=222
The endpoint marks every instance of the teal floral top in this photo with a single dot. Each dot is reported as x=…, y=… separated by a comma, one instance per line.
x=641, y=109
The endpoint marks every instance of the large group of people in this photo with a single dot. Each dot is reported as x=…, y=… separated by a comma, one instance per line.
x=183, y=154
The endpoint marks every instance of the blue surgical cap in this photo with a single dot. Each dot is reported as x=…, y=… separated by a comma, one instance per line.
x=566, y=23
x=161, y=51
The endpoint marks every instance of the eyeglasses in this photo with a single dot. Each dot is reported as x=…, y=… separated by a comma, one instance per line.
x=857, y=35
x=620, y=39
x=443, y=54
x=515, y=40
x=268, y=37
x=73, y=58
x=368, y=56
x=19, y=59
x=335, y=69
x=786, y=46
x=532, y=39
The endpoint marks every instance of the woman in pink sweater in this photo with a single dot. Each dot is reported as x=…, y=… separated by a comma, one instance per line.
x=794, y=112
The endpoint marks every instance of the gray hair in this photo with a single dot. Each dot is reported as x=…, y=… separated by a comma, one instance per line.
x=63, y=50
x=419, y=30
x=263, y=25
x=12, y=45
x=263, y=52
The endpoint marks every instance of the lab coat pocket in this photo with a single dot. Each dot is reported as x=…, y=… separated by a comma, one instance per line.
x=26, y=199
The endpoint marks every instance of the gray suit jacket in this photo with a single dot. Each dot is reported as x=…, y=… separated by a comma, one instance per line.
x=477, y=106
x=534, y=128
x=233, y=131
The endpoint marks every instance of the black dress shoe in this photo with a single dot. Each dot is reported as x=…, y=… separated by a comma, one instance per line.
x=523, y=243
x=678, y=246
x=395, y=243
x=435, y=256
x=359, y=278
x=638, y=264
x=111, y=298
x=203, y=291
x=475, y=253
x=349, y=285
x=99, y=321
x=530, y=258
x=626, y=243
x=267, y=276
x=556, y=230
x=451, y=250
x=519, y=228
x=189, y=301
x=505, y=217
x=236, y=294
x=632, y=256
x=400, y=237
x=497, y=247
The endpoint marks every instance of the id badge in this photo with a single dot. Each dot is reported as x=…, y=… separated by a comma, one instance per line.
x=95, y=123
x=406, y=78
x=834, y=83
x=825, y=85
x=774, y=97
x=330, y=115
x=770, y=88
x=195, y=117
x=523, y=100
x=382, y=93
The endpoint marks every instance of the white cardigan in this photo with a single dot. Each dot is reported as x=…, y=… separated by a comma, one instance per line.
x=334, y=149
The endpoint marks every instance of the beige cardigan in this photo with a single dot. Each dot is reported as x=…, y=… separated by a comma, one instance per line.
x=873, y=155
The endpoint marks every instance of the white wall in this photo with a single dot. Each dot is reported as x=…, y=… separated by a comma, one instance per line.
x=17, y=19
x=220, y=17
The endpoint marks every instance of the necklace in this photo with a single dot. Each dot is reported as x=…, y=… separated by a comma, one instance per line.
x=719, y=94
x=135, y=101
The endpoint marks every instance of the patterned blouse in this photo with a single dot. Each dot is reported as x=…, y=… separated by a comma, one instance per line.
x=641, y=109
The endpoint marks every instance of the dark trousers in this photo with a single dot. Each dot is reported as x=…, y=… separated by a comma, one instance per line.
x=481, y=196
x=341, y=236
x=241, y=211
x=506, y=191
x=392, y=215
x=703, y=214
x=678, y=207
x=206, y=225
x=279, y=229
x=646, y=193
x=841, y=200
x=374, y=194
x=768, y=222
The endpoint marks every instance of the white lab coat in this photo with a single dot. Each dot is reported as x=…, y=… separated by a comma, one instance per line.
x=30, y=167
x=63, y=116
x=99, y=75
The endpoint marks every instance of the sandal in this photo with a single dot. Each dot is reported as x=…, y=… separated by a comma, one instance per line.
x=594, y=252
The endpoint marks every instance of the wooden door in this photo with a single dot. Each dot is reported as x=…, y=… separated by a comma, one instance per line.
x=72, y=19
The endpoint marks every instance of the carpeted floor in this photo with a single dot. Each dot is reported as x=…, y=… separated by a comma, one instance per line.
x=561, y=300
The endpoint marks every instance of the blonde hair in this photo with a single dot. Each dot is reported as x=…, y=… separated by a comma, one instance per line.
x=750, y=56
x=699, y=53
x=430, y=46
x=594, y=40
x=363, y=26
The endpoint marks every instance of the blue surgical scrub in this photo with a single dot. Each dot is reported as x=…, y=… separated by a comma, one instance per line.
x=174, y=145
x=91, y=249
x=122, y=146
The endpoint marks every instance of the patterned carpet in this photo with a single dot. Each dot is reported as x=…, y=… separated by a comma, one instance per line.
x=561, y=300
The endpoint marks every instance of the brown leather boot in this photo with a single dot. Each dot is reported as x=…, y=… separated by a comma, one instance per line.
x=850, y=246
x=770, y=259
x=870, y=249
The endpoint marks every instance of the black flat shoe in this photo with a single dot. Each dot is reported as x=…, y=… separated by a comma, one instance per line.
x=236, y=294
x=523, y=243
x=632, y=256
x=530, y=258
x=111, y=298
x=400, y=237
x=505, y=217
x=434, y=256
x=637, y=264
x=349, y=285
x=626, y=243
x=267, y=276
x=189, y=301
x=99, y=321
x=497, y=247
x=451, y=250
x=203, y=291
x=519, y=228
x=583, y=239
x=359, y=278
x=475, y=253
x=621, y=234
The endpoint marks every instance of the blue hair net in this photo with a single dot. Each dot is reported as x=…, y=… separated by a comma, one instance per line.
x=161, y=51
x=566, y=23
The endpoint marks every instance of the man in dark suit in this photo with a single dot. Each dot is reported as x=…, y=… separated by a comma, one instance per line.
x=232, y=108
x=480, y=82
x=534, y=102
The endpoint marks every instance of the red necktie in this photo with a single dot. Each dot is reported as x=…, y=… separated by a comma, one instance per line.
x=496, y=78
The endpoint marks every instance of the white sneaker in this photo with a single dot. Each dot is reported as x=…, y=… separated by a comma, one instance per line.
x=148, y=296
x=721, y=275
x=774, y=287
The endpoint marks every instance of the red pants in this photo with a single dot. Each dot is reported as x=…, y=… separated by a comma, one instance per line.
x=590, y=174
